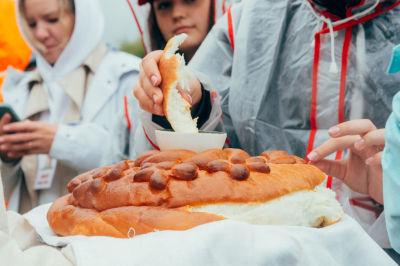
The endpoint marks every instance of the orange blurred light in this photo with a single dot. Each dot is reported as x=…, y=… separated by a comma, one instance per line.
x=14, y=50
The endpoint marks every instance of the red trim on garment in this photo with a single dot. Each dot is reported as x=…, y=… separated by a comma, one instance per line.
x=223, y=7
x=230, y=28
x=138, y=25
x=329, y=181
x=361, y=20
x=128, y=121
x=379, y=7
x=364, y=198
x=348, y=12
x=152, y=144
x=358, y=202
x=7, y=204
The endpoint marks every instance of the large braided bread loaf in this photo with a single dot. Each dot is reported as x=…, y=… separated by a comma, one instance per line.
x=167, y=191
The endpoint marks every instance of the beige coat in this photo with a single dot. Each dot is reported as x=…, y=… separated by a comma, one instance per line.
x=76, y=86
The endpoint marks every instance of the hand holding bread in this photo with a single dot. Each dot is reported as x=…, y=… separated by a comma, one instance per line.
x=147, y=88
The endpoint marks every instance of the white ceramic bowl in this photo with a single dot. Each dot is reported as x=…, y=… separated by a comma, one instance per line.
x=204, y=140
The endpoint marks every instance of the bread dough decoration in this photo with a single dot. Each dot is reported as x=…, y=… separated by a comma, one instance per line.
x=173, y=72
x=180, y=189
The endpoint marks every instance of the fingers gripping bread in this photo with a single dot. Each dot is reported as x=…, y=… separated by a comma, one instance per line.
x=173, y=73
x=178, y=190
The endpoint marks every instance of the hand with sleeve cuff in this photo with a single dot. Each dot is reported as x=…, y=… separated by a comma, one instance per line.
x=362, y=169
x=147, y=90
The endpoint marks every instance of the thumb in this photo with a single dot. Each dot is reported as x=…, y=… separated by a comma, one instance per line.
x=186, y=97
x=331, y=167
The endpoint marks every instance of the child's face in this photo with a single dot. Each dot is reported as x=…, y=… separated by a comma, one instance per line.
x=184, y=16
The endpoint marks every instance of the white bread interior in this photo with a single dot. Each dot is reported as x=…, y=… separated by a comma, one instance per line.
x=311, y=208
x=178, y=109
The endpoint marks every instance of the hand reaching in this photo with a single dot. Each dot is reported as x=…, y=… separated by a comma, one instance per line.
x=362, y=169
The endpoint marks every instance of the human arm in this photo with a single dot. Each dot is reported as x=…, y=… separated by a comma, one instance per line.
x=362, y=169
x=79, y=145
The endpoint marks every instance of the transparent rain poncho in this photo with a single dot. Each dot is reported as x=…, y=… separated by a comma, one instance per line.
x=284, y=81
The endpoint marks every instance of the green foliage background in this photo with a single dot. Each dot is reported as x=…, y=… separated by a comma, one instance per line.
x=135, y=48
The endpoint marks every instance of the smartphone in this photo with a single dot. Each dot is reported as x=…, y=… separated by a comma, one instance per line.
x=6, y=108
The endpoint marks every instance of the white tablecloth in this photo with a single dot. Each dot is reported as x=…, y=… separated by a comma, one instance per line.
x=224, y=243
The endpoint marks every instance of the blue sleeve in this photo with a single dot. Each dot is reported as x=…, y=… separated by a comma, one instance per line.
x=391, y=175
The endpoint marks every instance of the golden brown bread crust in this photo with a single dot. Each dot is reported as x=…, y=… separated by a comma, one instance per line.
x=168, y=70
x=175, y=179
x=68, y=220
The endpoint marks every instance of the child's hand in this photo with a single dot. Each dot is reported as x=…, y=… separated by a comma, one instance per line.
x=362, y=169
x=148, y=92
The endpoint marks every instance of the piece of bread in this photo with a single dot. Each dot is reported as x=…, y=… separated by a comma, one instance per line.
x=173, y=72
x=179, y=189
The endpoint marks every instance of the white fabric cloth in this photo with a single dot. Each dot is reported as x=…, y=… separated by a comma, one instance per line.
x=224, y=243
x=18, y=244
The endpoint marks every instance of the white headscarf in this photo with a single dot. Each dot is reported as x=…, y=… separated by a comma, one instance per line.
x=87, y=33
x=88, y=30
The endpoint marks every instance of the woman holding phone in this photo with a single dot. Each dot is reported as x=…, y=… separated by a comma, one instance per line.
x=67, y=106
